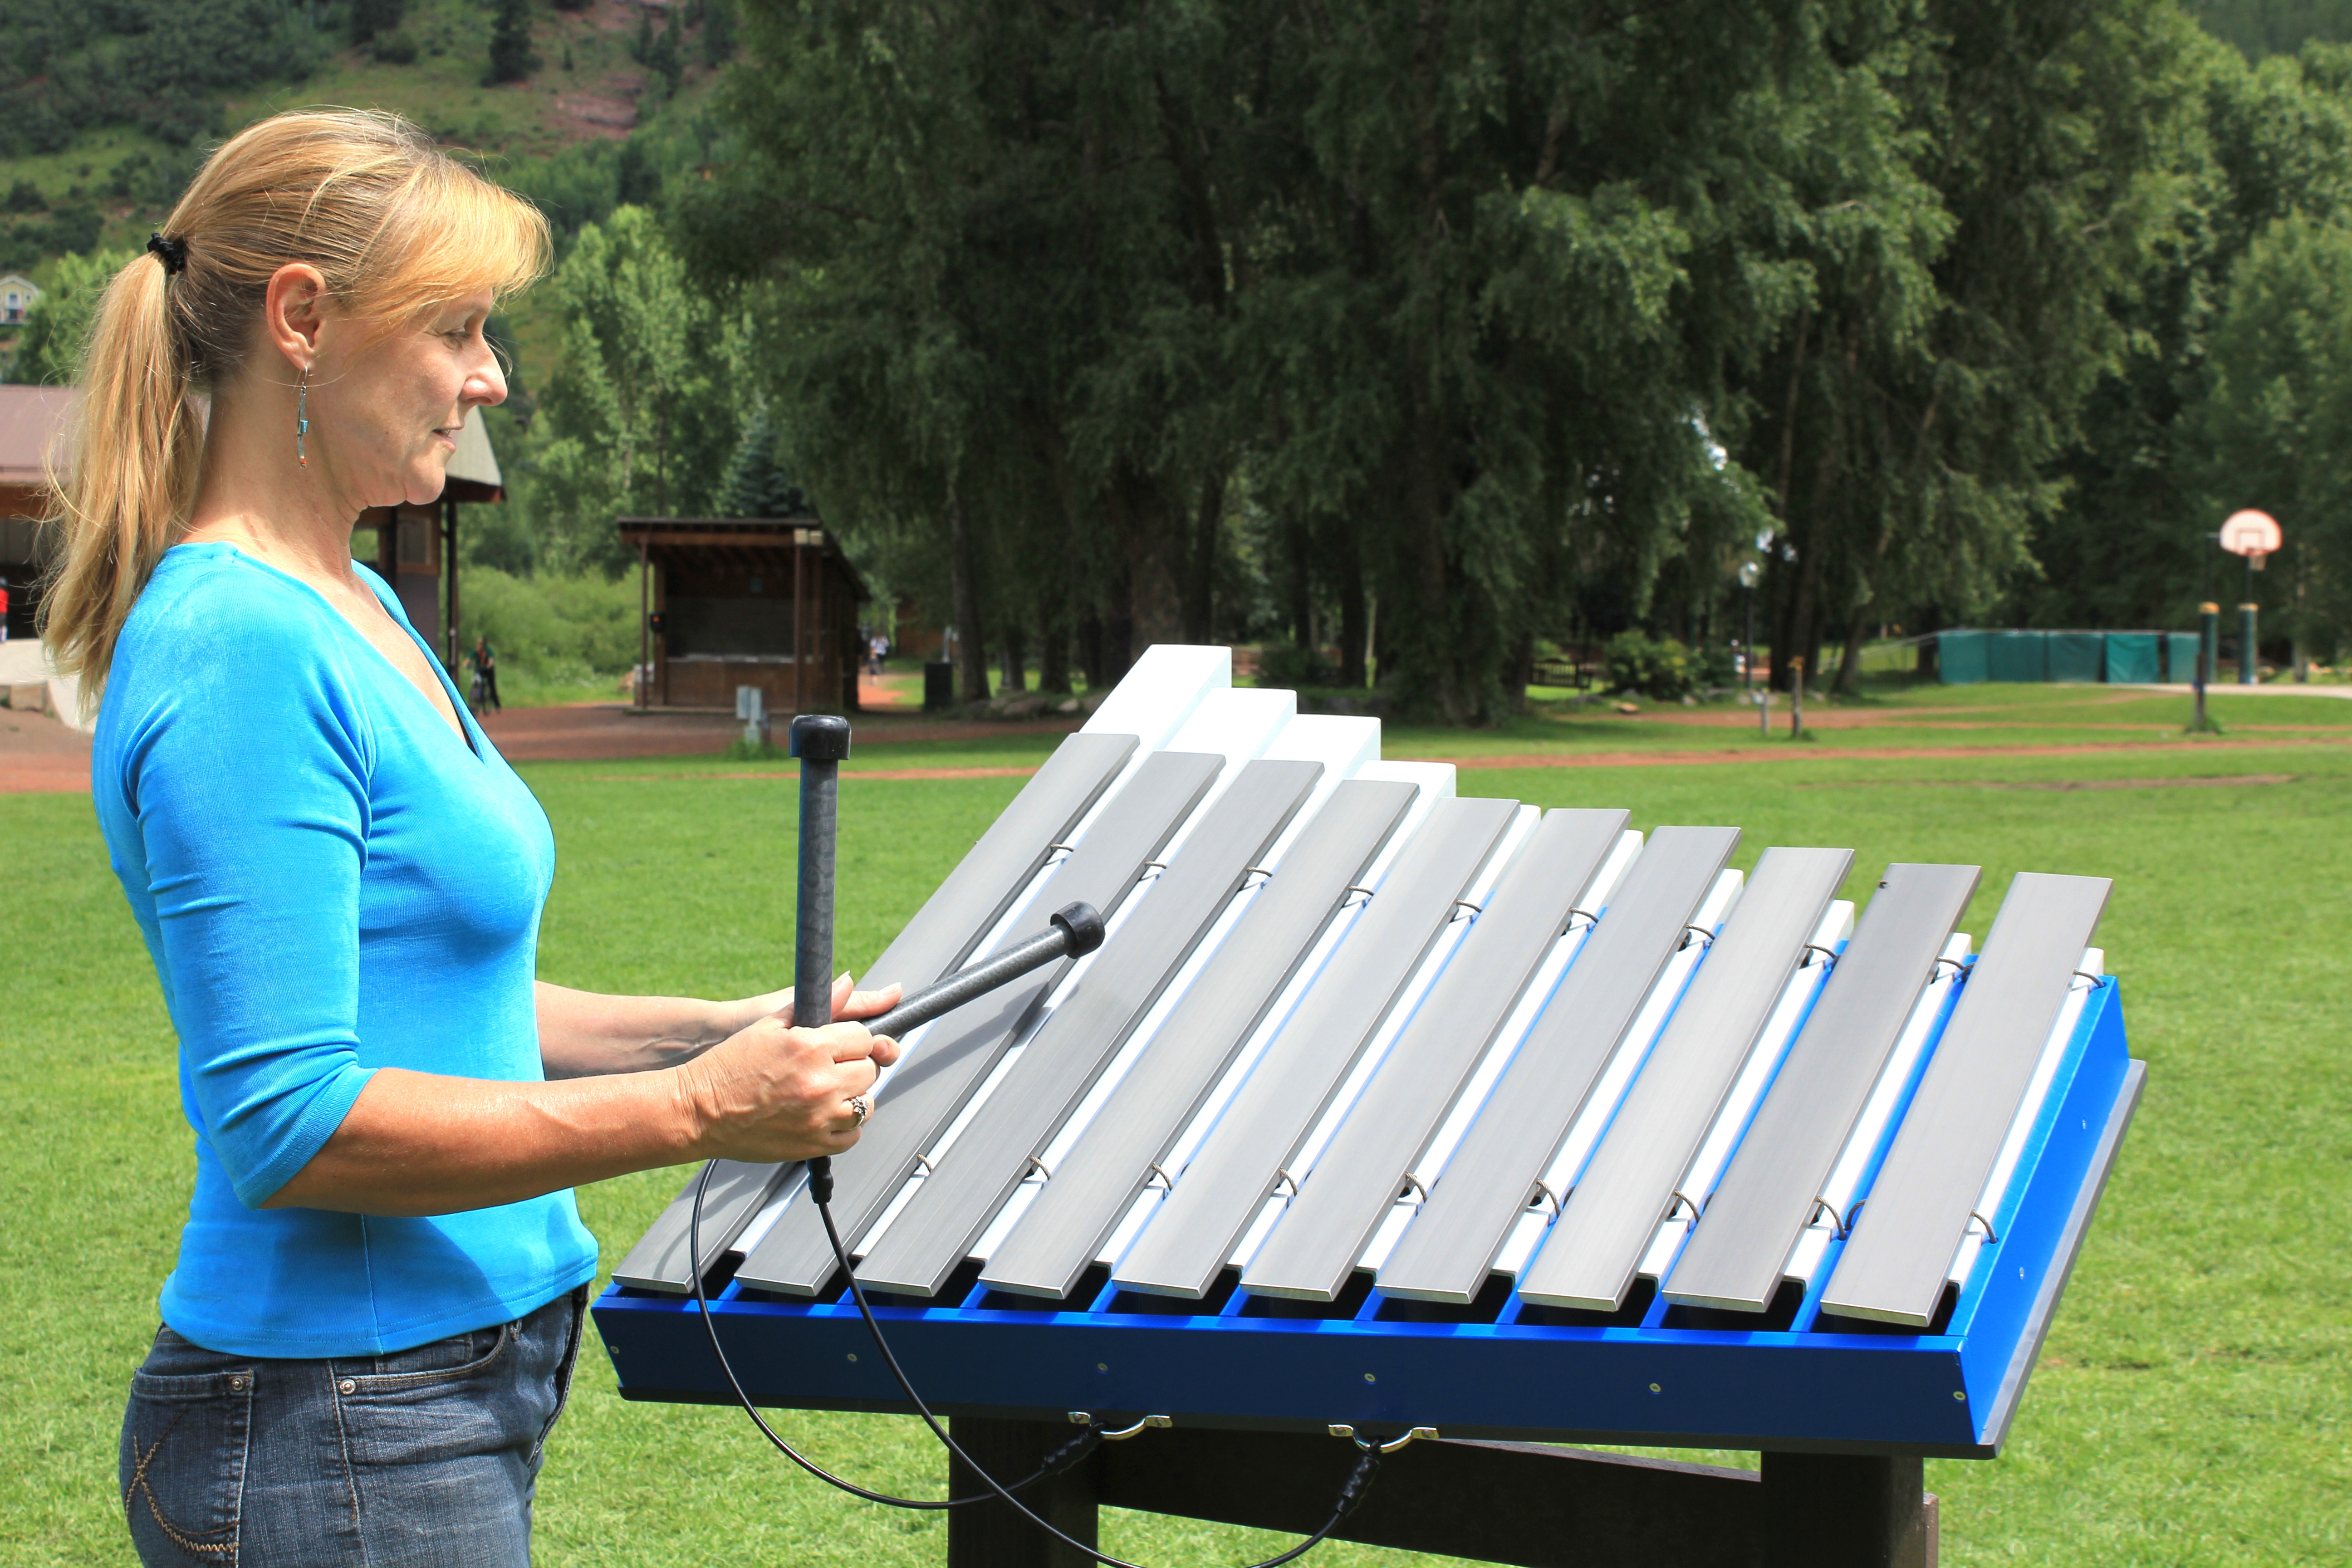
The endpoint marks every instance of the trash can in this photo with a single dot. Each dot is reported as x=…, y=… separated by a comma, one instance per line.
x=938, y=686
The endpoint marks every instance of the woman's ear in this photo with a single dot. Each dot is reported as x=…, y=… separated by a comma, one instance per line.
x=293, y=312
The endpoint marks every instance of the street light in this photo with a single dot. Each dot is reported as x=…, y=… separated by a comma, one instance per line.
x=2253, y=535
x=1750, y=572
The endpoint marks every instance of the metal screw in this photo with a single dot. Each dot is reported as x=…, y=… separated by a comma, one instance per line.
x=236, y=1382
x=853, y=1356
x=347, y=1386
x=1102, y=1366
x=1369, y=1378
x=1655, y=1389
x=1961, y=1394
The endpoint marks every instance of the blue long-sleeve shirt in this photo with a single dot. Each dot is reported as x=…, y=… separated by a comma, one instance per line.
x=329, y=882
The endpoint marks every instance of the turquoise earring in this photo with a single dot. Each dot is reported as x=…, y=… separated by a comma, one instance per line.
x=302, y=417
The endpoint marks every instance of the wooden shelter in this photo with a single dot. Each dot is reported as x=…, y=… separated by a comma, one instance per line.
x=734, y=601
x=416, y=546
x=30, y=419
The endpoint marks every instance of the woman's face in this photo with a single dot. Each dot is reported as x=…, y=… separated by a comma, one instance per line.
x=385, y=419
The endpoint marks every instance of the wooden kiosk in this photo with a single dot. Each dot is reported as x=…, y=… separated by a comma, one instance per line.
x=416, y=546
x=734, y=601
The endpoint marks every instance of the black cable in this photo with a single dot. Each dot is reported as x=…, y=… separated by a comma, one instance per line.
x=1060, y=1459
x=821, y=1192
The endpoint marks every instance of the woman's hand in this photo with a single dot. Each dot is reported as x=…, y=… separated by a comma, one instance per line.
x=773, y=1092
x=729, y=1018
x=583, y=1035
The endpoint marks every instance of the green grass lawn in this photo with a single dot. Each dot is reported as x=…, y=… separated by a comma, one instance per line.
x=2191, y=1403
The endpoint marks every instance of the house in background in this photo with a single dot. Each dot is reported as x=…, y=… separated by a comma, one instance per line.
x=17, y=296
x=415, y=547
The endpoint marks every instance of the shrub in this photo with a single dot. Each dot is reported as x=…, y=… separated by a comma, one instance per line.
x=557, y=629
x=1660, y=667
x=1286, y=665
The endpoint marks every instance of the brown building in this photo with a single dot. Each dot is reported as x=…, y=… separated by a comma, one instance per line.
x=30, y=418
x=415, y=547
x=736, y=601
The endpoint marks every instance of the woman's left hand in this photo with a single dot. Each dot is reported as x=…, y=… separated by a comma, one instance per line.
x=731, y=1017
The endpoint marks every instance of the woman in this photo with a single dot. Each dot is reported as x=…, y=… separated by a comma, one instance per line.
x=380, y=1286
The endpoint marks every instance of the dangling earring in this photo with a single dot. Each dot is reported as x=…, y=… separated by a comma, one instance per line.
x=302, y=416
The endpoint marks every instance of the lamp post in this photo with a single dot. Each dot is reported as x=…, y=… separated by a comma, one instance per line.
x=1748, y=573
x=2253, y=535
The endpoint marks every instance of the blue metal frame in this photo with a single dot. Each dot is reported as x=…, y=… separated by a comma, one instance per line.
x=1948, y=1394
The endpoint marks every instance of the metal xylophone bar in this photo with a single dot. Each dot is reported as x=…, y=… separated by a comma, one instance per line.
x=1607, y=1221
x=1765, y=1199
x=974, y=1174
x=1313, y=1246
x=924, y=1093
x=1202, y=1220
x=1918, y=1210
x=1092, y=1186
x=951, y=923
x=1448, y=1252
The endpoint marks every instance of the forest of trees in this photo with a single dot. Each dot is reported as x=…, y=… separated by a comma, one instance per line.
x=1416, y=336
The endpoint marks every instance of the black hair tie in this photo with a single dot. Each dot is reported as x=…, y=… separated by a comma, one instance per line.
x=174, y=252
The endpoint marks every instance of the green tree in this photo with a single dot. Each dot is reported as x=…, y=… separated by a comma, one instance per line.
x=640, y=416
x=511, y=55
x=49, y=352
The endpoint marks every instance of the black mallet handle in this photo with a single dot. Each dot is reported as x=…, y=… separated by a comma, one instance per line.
x=1076, y=931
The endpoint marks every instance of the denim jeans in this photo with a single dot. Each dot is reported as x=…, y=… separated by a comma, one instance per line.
x=424, y=1459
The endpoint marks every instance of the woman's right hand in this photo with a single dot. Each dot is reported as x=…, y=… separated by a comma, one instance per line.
x=770, y=1092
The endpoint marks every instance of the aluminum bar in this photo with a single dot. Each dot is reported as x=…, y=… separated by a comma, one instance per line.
x=926, y=1089
x=1092, y=1185
x=1314, y=1245
x=1608, y=1221
x=1752, y=1222
x=919, y=1250
x=1450, y=1247
x=1242, y=1158
x=952, y=921
x=1916, y=1213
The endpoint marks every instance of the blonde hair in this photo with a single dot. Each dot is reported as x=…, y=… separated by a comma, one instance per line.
x=395, y=226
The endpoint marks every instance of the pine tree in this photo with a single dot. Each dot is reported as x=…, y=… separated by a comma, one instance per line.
x=511, y=55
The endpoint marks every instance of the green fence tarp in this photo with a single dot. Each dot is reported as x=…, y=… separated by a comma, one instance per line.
x=2076, y=656
x=1960, y=657
x=2017, y=656
x=2180, y=657
x=2131, y=658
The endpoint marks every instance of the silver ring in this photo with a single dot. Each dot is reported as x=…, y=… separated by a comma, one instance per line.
x=863, y=1107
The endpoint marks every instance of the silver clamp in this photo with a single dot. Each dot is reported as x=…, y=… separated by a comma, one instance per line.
x=1412, y=1185
x=2096, y=980
x=1679, y=1201
x=1466, y=904
x=1265, y=871
x=1373, y=1444
x=1957, y=968
x=1829, y=959
x=1706, y=936
x=1591, y=920
x=1039, y=1166
x=1354, y=887
x=923, y=1163
x=1979, y=1219
x=1821, y=1206
x=1283, y=1178
x=1166, y=1182
x=1149, y=1422
x=1544, y=1194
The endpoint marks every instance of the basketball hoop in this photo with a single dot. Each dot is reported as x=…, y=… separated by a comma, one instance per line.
x=2253, y=534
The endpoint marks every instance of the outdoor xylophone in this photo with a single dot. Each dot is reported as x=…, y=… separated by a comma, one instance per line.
x=1385, y=1112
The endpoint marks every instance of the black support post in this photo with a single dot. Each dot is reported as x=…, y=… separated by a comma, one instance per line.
x=991, y=1535
x=1520, y=1503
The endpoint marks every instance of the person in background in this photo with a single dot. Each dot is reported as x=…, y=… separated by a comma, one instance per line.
x=382, y=1285
x=486, y=672
x=875, y=651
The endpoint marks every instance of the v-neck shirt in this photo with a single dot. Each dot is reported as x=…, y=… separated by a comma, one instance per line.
x=329, y=881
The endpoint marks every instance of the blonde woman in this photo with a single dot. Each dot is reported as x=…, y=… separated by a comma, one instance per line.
x=380, y=1287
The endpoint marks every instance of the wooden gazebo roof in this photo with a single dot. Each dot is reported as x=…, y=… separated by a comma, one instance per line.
x=751, y=543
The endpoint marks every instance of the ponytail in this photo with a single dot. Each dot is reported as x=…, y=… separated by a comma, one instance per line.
x=137, y=442
x=396, y=227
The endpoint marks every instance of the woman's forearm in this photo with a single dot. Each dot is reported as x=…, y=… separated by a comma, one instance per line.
x=417, y=1144
x=582, y=1034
